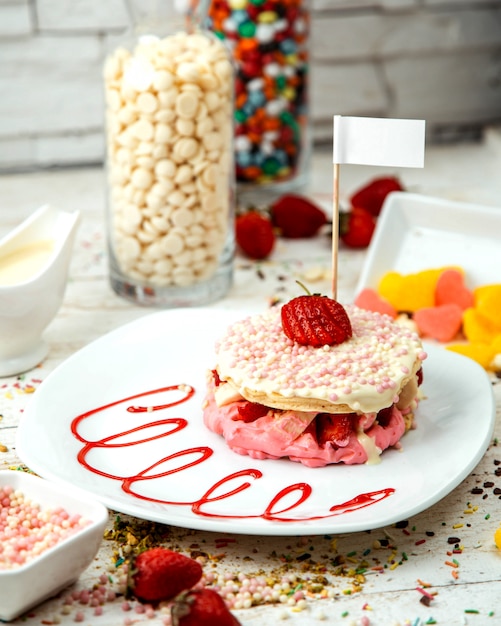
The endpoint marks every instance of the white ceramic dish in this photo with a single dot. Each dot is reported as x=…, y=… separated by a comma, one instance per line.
x=162, y=464
x=30, y=300
x=30, y=584
x=417, y=232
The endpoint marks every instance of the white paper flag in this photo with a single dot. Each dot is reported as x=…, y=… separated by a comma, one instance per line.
x=379, y=141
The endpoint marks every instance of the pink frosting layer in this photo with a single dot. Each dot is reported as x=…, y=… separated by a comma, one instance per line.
x=274, y=435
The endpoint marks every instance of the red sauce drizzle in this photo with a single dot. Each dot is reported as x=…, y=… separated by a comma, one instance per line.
x=223, y=489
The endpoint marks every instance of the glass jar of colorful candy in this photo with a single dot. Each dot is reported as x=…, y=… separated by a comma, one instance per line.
x=269, y=43
x=169, y=124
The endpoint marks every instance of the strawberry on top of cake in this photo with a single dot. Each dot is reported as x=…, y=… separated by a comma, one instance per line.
x=315, y=382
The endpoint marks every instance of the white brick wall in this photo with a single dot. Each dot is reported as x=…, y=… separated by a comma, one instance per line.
x=433, y=59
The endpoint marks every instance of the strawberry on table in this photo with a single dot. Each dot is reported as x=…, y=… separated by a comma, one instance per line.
x=372, y=196
x=296, y=216
x=356, y=228
x=315, y=320
x=201, y=607
x=254, y=234
x=160, y=574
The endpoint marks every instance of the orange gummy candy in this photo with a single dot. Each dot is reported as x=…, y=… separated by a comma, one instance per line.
x=410, y=292
x=488, y=303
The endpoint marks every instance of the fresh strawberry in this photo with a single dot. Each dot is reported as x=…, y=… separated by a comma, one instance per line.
x=384, y=416
x=254, y=234
x=159, y=574
x=316, y=321
x=251, y=411
x=372, y=196
x=295, y=216
x=201, y=607
x=334, y=428
x=419, y=375
x=356, y=228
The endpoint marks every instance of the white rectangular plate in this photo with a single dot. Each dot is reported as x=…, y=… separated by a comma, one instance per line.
x=417, y=232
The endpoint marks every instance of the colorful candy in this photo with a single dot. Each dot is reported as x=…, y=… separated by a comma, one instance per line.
x=442, y=307
x=410, y=292
x=451, y=289
x=441, y=322
x=268, y=39
x=369, y=299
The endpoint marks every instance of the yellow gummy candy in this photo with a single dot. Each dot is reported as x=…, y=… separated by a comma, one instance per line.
x=479, y=352
x=497, y=538
x=496, y=344
x=410, y=292
x=478, y=328
x=488, y=303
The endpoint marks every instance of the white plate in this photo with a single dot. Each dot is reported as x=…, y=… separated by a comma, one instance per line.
x=176, y=347
x=417, y=232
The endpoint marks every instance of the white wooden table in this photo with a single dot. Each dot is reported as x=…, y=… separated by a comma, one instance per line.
x=376, y=577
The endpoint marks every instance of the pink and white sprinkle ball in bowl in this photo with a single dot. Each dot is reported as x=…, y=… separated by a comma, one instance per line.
x=48, y=537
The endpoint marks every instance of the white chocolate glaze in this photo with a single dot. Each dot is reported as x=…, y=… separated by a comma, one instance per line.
x=363, y=374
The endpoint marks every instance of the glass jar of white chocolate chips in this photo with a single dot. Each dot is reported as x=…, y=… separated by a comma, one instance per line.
x=169, y=120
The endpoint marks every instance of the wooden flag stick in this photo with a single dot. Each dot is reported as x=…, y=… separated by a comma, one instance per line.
x=335, y=228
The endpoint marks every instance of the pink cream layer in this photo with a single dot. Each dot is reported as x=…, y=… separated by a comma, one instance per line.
x=275, y=435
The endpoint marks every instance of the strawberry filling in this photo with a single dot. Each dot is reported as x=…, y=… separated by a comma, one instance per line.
x=314, y=439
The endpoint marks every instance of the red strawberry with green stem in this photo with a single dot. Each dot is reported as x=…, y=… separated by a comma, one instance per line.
x=315, y=320
x=201, y=607
x=160, y=574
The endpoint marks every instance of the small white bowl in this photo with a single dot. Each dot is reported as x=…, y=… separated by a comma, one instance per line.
x=30, y=584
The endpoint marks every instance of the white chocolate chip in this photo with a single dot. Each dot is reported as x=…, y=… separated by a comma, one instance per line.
x=113, y=99
x=177, y=198
x=163, y=80
x=163, y=133
x=186, y=104
x=182, y=217
x=143, y=130
x=130, y=248
x=141, y=178
x=147, y=102
x=188, y=72
x=183, y=174
x=172, y=244
x=185, y=127
x=185, y=148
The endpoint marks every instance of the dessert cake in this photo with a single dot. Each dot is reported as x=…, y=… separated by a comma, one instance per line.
x=314, y=382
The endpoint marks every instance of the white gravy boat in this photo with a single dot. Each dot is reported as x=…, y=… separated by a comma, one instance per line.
x=34, y=264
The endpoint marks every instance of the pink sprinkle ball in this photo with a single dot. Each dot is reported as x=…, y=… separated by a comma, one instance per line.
x=27, y=530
